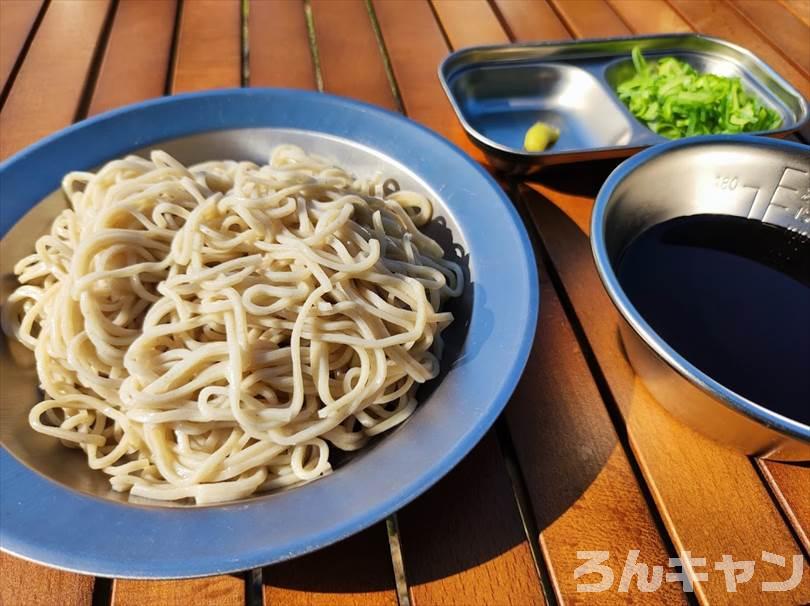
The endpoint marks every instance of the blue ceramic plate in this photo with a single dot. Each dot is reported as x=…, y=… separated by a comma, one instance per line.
x=69, y=522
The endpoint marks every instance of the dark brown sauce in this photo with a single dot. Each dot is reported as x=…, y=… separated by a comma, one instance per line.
x=732, y=296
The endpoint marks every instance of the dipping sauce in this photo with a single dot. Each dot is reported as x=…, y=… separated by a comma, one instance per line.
x=732, y=296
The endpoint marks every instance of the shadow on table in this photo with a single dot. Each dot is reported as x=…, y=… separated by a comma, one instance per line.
x=578, y=179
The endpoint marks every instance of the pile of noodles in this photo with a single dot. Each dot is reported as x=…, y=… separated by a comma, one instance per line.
x=212, y=331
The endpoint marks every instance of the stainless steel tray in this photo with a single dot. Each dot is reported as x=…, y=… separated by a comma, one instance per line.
x=498, y=92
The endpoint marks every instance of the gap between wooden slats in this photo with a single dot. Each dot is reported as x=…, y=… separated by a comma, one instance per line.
x=19, y=20
x=47, y=94
x=136, y=64
x=780, y=27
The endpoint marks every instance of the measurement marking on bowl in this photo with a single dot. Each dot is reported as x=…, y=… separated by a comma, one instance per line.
x=792, y=194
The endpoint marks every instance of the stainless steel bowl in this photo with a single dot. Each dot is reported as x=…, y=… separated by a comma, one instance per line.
x=763, y=179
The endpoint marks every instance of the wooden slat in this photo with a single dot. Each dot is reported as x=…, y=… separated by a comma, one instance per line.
x=649, y=17
x=357, y=570
x=209, y=56
x=781, y=28
x=446, y=563
x=564, y=439
x=279, y=45
x=414, y=66
x=711, y=498
x=532, y=20
x=469, y=22
x=791, y=484
x=462, y=540
x=213, y=591
x=800, y=8
x=719, y=19
x=137, y=59
x=403, y=22
x=48, y=88
x=17, y=17
x=350, y=61
x=209, y=51
x=354, y=572
x=590, y=18
x=27, y=584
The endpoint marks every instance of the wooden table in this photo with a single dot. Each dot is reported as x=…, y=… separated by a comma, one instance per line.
x=582, y=459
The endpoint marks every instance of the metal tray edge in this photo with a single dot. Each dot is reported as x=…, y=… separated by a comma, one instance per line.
x=498, y=150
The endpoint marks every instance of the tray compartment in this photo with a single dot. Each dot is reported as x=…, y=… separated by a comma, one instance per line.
x=499, y=91
x=502, y=102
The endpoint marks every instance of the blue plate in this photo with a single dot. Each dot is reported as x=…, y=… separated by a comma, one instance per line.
x=58, y=522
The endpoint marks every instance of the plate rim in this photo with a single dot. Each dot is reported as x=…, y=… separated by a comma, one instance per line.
x=23, y=542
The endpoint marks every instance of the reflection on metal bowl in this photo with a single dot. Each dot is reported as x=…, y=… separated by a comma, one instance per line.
x=758, y=179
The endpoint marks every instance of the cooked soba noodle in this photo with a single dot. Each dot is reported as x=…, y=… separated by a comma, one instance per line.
x=212, y=331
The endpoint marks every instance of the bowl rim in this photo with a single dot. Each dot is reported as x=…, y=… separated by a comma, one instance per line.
x=500, y=334
x=631, y=315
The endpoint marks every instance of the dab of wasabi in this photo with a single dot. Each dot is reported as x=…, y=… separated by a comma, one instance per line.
x=540, y=136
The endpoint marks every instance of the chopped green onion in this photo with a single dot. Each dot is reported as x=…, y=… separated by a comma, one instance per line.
x=675, y=101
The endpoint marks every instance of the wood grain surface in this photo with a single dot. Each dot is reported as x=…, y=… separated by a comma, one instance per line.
x=590, y=18
x=354, y=572
x=531, y=21
x=25, y=584
x=791, y=485
x=782, y=29
x=597, y=503
x=136, y=63
x=722, y=20
x=279, y=45
x=469, y=22
x=604, y=466
x=209, y=52
x=414, y=65
x=47, y=94
x=351, y=65
x=649, y=16
x=214, y=591
x=463, y=542
x=17, y=18
x=800, y=8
